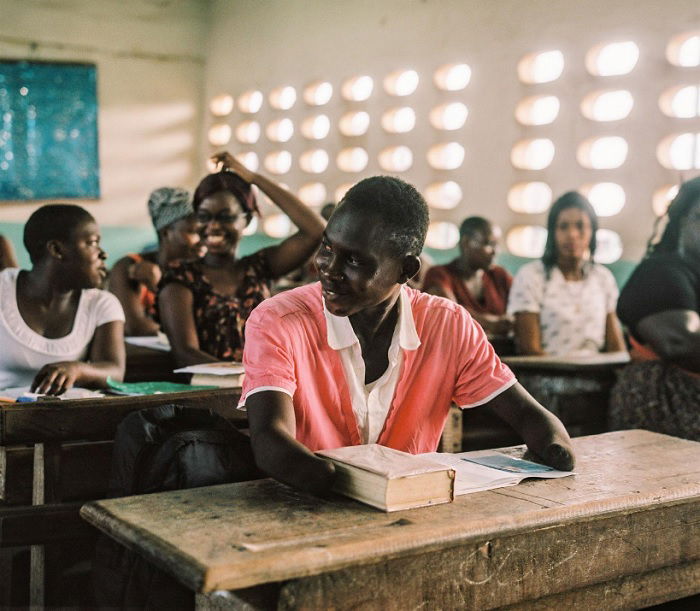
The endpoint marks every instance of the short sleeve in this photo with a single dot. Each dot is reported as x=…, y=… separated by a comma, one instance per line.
x=107, y=308
x=527, y=290
x=481, y=374
x=267, y=355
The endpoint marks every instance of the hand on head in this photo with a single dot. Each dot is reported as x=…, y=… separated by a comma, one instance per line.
x=229, y=162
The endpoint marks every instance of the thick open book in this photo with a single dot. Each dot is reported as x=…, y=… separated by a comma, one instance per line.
x=487, y=469
x=389, y=479
x=225, y=374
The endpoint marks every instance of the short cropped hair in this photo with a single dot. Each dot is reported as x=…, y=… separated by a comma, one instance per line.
x=399, y=207
x=474, y=224
x=52, y=222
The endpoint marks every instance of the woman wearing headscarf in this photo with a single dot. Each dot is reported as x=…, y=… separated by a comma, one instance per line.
x=564, y=304
x=660, y=304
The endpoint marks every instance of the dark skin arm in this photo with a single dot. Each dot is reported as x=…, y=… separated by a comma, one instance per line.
x=276, y=450
x=614, y=340
x=674, y=335
x=175, y=304
x=541, y=430
x=528, y=338
x=127, y=291
x=7, y=254
x=107, y=358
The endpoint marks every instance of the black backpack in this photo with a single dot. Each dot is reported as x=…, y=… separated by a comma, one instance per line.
x=164, y=448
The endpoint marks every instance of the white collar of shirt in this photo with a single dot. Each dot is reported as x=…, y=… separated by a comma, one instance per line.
x=371, y=402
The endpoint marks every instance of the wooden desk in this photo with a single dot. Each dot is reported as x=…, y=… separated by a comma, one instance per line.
x=146, y=364
x=624, y=532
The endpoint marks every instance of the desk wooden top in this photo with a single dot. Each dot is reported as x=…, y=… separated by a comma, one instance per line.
x=97, y=419
x=593, y=362
x=239, y=535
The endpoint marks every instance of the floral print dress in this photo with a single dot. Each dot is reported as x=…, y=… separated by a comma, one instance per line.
x=220, y=319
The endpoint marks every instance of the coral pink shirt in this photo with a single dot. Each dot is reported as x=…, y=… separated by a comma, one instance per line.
x=287, y=349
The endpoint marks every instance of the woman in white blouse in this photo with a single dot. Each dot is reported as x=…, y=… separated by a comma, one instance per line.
x=564, y=304
x=57, y=328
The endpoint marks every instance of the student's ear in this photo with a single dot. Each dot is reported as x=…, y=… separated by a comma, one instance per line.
x=411, y=266
x=55, y=248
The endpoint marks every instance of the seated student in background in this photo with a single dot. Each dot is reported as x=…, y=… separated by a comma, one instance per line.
x=7, y=253
x=472, y=280
x=204, y=304
x=57, y=328
x=564, y=304
x=134, y=278
x=360, y=358
x=660, y=304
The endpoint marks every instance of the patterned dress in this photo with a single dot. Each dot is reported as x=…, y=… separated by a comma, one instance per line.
x=220, y=319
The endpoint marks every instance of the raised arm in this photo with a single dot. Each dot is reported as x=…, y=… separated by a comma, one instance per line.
x=542, y=431
x=614, y=340
x=295, y=250
x=127, y=291
x=674, y=335
x=175, y=303
x=276, y=450
x=106, y=359
x=528, y=338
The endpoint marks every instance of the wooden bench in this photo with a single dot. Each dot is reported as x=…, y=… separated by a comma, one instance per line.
x=624, y=532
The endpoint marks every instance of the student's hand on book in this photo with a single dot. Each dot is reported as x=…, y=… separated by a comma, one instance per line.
x=56, y=378
x=559, y=456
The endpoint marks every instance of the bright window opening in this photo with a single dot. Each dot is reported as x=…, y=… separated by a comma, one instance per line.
x=604, y=153
x=249, y=159
x=221, y=105
x=446, y=156
x=396, y=159
x=401, y=82
x=542, y=67
x=526, y=241
x=316, y=128
x=314, y=161
x=684, y=50
x=534, y=154
x=278, y=226
x=680, y=151
x=353, y=159
x=313, y=193
x=538, y=110
x=342, y=190
x=252, y=227
x=607, y=198
x=681, y=102
x=442, y=235
x=612, y=59
x=357, y=88
x=248, y=132
x=452, y=77
x=250, y=102
x=278, y=162
x=280, y=130
x=443, y=195
x=219, y=134
x=318, y=94
x=607, y=105
x=283, y=98
x=608, y=246
x=662, y=198
x=530, y=197
x=449, y=116
x=354, y=123
x=399, y=120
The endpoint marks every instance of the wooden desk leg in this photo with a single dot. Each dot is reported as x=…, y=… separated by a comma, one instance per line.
x=45, y=487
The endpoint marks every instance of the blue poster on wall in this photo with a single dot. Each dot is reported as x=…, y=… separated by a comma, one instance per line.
x=48, y=130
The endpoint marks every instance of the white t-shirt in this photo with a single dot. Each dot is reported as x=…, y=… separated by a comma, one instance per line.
x=23, y=351
x=572, y=313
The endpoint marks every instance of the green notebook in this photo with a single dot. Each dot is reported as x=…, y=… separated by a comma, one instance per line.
x=150, y=388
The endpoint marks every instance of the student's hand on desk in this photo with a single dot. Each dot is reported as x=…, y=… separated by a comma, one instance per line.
x=56, y=378
x=559, y=456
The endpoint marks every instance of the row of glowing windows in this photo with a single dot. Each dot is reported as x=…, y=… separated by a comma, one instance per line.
x=607, y=59
x=675, y=152
x=607, y=105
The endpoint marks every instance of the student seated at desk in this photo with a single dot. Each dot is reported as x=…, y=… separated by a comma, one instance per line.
x=360, y=358
x=57, y=328
x=565, y=303
x=660, y=304
x=134, y=278
x=472, y=280
x=7, y=254
x=204, y=304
